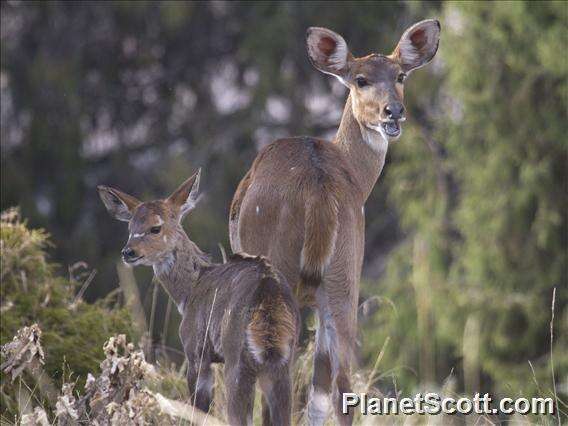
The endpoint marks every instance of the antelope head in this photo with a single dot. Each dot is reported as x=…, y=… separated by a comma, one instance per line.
x=154, y=226
x=375, y=81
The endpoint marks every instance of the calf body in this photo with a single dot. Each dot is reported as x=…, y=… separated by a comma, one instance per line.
x=241, y=312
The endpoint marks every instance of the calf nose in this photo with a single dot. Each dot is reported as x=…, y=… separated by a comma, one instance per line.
x=128, y=254
x=394, y=111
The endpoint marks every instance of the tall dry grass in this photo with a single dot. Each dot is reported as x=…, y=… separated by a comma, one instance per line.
x=37, y=396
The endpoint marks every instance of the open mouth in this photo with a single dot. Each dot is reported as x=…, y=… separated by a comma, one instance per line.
x=388, y=129
x=131, y=261
x=391, y=128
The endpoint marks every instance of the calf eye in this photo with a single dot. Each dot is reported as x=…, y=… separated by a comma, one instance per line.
x=155, y=229
x=361, y=81
x=401, y=77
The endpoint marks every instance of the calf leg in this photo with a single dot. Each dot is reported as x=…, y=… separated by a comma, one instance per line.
x=240, y=394
x=200, y=385
x=277, y=392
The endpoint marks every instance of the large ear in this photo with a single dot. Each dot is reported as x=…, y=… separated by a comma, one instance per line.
x=418, y=44
x=328, y=52
x=185, y=198
x=119, y=204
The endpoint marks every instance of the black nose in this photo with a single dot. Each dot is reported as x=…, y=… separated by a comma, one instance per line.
x=128, y=254
x=394, y=110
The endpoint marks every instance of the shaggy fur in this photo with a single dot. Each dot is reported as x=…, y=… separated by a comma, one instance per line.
x=241, y=312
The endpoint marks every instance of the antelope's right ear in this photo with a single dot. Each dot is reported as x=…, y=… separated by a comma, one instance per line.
x=186, y=197
x=119, y=204
x=418, y=44
x=328, y=52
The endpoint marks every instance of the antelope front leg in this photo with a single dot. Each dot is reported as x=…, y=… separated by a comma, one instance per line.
x=200, y=384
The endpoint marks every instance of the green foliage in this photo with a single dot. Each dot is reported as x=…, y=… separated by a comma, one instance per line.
x=486, y=212
x=31, y=292
x=473, y=197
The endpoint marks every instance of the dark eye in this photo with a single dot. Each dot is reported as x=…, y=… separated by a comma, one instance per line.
x=401, y=77
x=155, y=229
x=361, y=81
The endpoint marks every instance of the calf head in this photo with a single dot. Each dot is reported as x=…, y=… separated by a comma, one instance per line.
x=154, y=226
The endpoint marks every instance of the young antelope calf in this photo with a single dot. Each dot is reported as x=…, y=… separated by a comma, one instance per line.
x=241, y=312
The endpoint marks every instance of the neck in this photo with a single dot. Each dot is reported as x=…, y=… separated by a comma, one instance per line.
x=179, y=271
x=365, y=148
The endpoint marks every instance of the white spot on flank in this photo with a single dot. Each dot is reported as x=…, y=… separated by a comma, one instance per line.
x=257, y=210
x=363, y=210
x=292, y=168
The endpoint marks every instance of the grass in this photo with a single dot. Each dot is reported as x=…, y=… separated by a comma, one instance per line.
x=163, y=388
x=32, y=292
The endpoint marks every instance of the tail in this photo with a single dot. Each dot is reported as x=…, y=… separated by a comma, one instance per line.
x=272, y=331
x=320, y=233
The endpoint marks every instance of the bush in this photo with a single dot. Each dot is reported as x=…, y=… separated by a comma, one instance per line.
x=31, y=292
x=481, y=195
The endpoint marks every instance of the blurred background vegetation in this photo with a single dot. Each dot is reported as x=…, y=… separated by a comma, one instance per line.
x=466, y=229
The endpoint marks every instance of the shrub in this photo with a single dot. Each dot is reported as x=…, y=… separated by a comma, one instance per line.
x=31, y=292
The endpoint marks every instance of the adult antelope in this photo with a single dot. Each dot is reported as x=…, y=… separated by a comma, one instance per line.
x=301, y=204
x=241, y=312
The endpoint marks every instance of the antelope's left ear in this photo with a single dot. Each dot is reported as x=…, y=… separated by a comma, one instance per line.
x=328, y=52
x=418, y=45
x=119, y=204
x=185, y=198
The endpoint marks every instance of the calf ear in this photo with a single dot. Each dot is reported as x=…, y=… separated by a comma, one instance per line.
x=328, y=52
x=119, y=204
x=185, y=198
x=418, y=45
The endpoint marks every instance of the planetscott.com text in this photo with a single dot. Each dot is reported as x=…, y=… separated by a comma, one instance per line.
x=432, y=403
